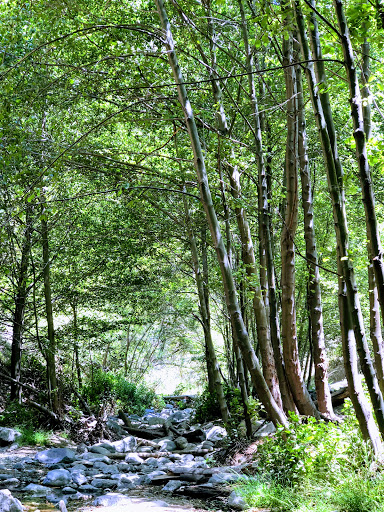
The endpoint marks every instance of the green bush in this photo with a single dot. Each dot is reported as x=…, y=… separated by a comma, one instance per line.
x=20, y=415
x=32, y=437
x=108, y=388
x=316, y=466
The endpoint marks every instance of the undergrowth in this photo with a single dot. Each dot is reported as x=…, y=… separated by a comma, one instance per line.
x=316, y=466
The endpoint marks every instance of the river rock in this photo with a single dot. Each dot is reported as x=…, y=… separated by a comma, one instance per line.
x=236, y=501
x=38, y=491
x=216, y=434
x=57, y=478
x=221, y=478
x=8, y=503
x=78, y=478
x=56, y=455
x=267, y=429
x=104, y=483
x=133, y=458
x=166, y=445
x=10, y=483
x=181, y=442
x=8, y=435
x=128, y=444
x=172, y=486
x=112, y=499
x=155, y=420
x=108, y=469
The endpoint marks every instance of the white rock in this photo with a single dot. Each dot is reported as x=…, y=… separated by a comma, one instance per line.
x=8, y=503
x=128, y=444
x=112, y=499
x=216, y=433
x=133, y=458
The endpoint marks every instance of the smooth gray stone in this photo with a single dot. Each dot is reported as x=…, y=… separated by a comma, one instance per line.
x=88, y=488
x=236, y=501
x=221, y=478
x=8, y=435
x=8, y=503
x=166, y=445
x=38, y=491
x=172, y=486
x=57, y=478
x=155, y=420
x=181, y=442
x=105, y=445
x=112, y=499
x=69, y=490
x=95, y=457
x=104, y=483
x=56, y=455
x=266, y=429
x=105, y=468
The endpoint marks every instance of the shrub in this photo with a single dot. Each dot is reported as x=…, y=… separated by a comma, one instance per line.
x=114, y=390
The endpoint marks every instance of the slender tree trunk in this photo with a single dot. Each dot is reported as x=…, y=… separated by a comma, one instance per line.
x=243, y=389
x=51, y=348
x=328, y=143
x=324, y=402
x=336, y=187
x=260, y=300
x=76, y=346
x=249, y=356
x=20, y=301
x=300, y=393
x=214, y=378
x=374, y=320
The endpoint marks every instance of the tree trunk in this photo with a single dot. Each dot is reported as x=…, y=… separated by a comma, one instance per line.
x=76, y=346
x=300, y=393
x=51, y=348
x=249, y=356
x=214, y=378
x=328, y=143
x=20, y=300
x=336, y=188
x=324, y=402
x=374, y=306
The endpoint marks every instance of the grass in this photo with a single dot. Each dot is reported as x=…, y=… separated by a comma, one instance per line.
x=32, y=437
x=356, y=493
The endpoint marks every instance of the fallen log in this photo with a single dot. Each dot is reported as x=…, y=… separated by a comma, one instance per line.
x=143, y=433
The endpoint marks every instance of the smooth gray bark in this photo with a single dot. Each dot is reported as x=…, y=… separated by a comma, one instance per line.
x=239, y=329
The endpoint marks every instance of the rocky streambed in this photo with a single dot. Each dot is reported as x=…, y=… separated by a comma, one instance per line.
x=133, y=473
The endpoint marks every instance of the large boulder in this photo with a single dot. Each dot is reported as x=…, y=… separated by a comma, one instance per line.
x=56, y=455
x=57, y=478
x=8, y=503
x=8, y=435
